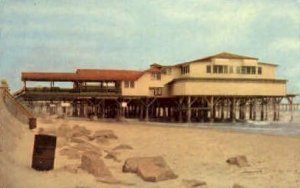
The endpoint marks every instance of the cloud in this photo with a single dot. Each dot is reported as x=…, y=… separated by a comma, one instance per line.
x=291, y=45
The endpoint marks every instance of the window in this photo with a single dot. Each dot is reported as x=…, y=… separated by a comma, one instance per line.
x=185, y=69
x=220, y=69
x=126, y=84
x=208, y=69
x=156, y=91
x=238, y=70
x=259, y=70
x=246, y=70
x=129, y=84
x=156, y=76
x=169, y=71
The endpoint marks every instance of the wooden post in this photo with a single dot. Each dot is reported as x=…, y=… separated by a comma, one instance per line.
x=189, y=109
x=291, y=109
x=262, y=110
x=232, y=109
x=180, y=109
x=212, y=109
x=222, y=110
x=250, y=109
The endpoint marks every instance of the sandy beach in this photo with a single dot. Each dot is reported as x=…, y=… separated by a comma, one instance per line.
x=190, y=151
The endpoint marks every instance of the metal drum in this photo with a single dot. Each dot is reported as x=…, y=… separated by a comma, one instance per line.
x=43, y=152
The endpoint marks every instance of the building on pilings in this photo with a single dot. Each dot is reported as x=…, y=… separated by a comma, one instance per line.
x=221, y=87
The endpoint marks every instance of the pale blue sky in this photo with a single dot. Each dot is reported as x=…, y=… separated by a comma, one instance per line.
x=46, y=35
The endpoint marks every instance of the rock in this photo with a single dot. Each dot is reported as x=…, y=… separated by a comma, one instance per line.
x=78, y=131
x=240, y=161
x=122, y=147
x=107, y=134
x=77, y=140
x=85, y=147
x=64, y=131
x=71, y=153
x=92, y=163
x=71, y=168
x=61, y=141
x=149, y=168
x=194, y=183
x=237, y=186
x=113, y=155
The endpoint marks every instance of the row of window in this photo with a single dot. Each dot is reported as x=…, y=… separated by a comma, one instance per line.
x=225, y=69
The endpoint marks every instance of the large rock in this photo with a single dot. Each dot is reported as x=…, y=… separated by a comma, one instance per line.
x=123, y=147
x=193, y=183
x=92, y=163
x=71, y=153
x=240, y=161
x=106, y=134
x=78, y=131
x=149, y=168
x=238, y=186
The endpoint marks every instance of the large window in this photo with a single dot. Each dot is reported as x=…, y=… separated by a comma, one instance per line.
x=220, y=69
x=208, y=69
x=246, y=70
x=156, y=91
x=185, y=69
x=259, y=70
x=129, y=84
x=156, y=76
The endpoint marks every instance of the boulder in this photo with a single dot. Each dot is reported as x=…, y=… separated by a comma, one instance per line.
x=85, y=147
x=107, y=134
x=78, y=131
x=240, y=161
x=64, y=130
x=113, y=155
x=151, y=169
x=92, y=163
x=71, y=153
x=193, y=183
x=237, y=186
x=77, y=140
x=123, y=147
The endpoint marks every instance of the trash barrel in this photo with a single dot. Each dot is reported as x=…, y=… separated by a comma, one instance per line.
x=43, y=152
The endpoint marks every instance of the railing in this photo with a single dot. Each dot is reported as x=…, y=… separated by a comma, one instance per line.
x=17, y=109
x=74, y=90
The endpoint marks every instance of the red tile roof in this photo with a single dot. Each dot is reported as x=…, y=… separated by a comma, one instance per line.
x=83, y=75
x=102, y=74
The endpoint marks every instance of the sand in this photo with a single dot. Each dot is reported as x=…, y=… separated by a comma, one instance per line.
x=193, y=153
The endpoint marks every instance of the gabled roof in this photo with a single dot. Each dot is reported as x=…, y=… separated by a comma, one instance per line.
x=223, y=55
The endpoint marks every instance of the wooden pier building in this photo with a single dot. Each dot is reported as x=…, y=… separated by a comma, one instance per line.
x=221, y=87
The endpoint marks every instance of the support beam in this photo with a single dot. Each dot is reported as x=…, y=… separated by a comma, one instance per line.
x=189, y=112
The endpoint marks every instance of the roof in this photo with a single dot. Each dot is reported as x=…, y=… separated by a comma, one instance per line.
x=108, y=74
x=83, y=75
x=48, y=76
x=223, y=55
x=271, y=64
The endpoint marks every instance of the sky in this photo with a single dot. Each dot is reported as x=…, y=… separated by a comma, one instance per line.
x=43, y=35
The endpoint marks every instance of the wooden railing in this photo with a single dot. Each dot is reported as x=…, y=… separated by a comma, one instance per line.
x=18, y=109
x=74, y=90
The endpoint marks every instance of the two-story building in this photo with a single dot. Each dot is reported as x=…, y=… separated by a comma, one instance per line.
x=217, y=87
